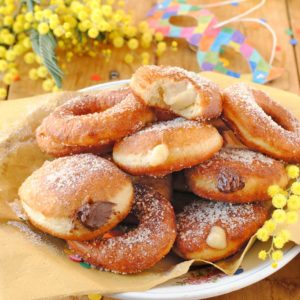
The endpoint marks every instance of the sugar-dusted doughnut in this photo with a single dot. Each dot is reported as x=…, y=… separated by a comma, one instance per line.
x=77, y=197
x=165, y=147
x=138, y=249
x=103, y=118
x=212, y=231
x=236, y=175
x=162, y=185
x=52, y=148
x=183, y=93
x=231, y=141
x=164, y=115
x=261, y=123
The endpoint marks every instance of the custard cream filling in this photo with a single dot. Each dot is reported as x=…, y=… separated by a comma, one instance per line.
x=158, y=155
x=179, y=95
x=217, y=238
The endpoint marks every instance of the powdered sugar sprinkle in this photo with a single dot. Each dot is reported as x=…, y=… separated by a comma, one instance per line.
x=200, y=214
x=244, y=156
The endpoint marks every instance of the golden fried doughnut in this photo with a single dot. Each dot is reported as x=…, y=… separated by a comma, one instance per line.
x=231, y=141
x=184, y=93
x=94, y=119
x=164, y=115
x=138, y=249
x=162, y=185
x=236, y=175
x=77, y=197
x=219, y=124
x=212, y=231
x=52, y=148
x=261, y=123
x=166, y=147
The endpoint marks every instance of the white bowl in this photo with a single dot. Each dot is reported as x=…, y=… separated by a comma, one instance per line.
x=215, y=286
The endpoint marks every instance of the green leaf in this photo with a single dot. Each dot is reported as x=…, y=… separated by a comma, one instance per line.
x=35, y=42
x=47, y=44
x=44, y=45
x=30, y=4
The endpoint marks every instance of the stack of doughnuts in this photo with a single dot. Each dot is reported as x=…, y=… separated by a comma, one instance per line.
x=109, y=190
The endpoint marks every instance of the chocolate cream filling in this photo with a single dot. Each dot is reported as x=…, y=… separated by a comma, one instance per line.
x=94, y=215
x=229, y=181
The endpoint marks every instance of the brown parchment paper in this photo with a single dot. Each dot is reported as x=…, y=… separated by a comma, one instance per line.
x=33, y=265
x=6, y=213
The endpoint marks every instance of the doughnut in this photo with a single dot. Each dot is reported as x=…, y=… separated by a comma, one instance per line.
x=165, y=147
x=162, y=185
x=219, y=124
x=94, y=119
x=140, y=248
x=212, y=231
x=52, y=148
x=164, y=115
x=184, y=93
x=77, y=197
x=261, y=123
x=236, y=175
x=231, y=141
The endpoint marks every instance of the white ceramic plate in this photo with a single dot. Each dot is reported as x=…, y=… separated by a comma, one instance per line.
x=206, y=283
x=213, y=286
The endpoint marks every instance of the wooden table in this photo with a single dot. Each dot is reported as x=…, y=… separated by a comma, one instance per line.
x=280, y=14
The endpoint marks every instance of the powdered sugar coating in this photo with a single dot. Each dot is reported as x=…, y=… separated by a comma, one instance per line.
x=176, y=90
x=243, y=156
x=65, y=174
x=195, y=221
x=171, y=125
x=149, y=209
x=104, y=100
x=140, y=248
x=61, y=187
x=177, y=73
x=90, y=120
x=241, y=95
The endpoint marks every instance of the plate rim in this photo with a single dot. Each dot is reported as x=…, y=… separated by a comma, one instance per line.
x=104, y=85
x=254, y=275
x=246, y=279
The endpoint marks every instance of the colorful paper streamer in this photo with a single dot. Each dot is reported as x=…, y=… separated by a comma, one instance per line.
x=209, y=39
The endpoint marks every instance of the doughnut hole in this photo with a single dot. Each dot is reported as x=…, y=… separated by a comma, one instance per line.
x=275, y=112
x=260, y=123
